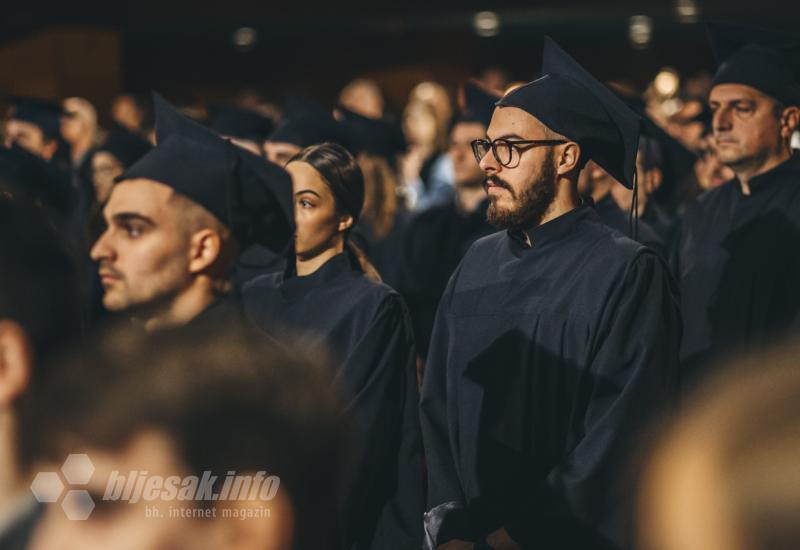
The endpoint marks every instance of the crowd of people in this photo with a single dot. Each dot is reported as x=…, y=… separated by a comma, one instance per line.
x=518, y=315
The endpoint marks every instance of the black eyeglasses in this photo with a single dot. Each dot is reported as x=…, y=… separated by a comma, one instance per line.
x=503, y=149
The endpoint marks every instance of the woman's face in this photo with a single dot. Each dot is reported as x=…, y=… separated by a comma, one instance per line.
x=319, y=225
x=105, y=167
x=419, y=124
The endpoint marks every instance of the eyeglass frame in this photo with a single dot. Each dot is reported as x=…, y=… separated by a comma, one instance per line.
x=515, y=144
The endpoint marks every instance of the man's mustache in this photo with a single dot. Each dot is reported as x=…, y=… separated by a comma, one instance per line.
x=105, y=269
x=494, y=180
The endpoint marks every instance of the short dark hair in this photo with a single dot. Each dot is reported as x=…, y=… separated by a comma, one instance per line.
x=227, y=398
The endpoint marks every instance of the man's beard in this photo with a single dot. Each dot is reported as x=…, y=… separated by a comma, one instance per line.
x=530, y=205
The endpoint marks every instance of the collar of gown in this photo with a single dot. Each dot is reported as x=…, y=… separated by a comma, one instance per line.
x=554, y=230
x=332, y=269
x=763, y=181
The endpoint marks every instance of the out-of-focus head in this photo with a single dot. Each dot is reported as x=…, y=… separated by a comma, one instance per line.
x=363, y=96
x=81, y=124
x=420, y=124
x=329, y=196
x=689, y=124
x=436, y=96
x=476, y=107
x=120, y=150
x=708, y=169
x=35, y=125
x=189, y=415
x=129, y=112
x=725, y=476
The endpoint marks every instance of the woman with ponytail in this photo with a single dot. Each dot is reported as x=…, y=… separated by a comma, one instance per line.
x=333, y=295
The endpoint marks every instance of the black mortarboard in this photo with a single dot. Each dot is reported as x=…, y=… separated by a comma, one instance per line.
x=571, y=102
x=43, y=113
x=240, y=123
x=478, y=104
x=126, y=146
x=305, y=122
x=372, y=135
x=23, y=172
x=245, y=192
x=768, y=61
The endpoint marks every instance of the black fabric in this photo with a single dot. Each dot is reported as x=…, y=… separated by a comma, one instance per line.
x=366, y=327
x=435, y=241
x=43, y=113
x=385, y=252
x=126, y=146
x=544, y=363
x=478, y=104
x=571, y=102
x=768, y=61
x=611, y=215
x=241, y=123
x=378, y=137
x=739, y=266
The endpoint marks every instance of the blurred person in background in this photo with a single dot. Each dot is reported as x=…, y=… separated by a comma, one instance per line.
x=35, y=125
x=39, y=315
x=333, y=295
x=437, y=238
x=303, y=123
x=738, y=259
x=425, y=171
x=363, y=96
x=130, y=112
x=210, y=402
x=724, y=475
x=120, y=150
x=79, y=131
x=245, y=128
x=708, y=169
x=177, y=219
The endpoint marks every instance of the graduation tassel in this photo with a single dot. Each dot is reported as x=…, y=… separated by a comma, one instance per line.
x=634, y=214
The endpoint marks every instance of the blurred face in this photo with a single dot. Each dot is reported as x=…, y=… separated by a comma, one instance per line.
x=127, y=113
x=319, y=225
x=681, y=126
x=30, y=137
x=683, y=503
x=279, y=152
x=466, y=169
x=419, y=124
x=105, y=167
x=520, y=193
x=648, y=183
x=594, y=181
x=363, y=98
x=144, y=254
x=746, y=129
x=122, y=524
x=708, y=169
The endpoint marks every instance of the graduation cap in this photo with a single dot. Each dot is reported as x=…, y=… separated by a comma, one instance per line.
x=768, y=61
x=23, y=172
x=249, y=195
x=478, y=104
x=570, y=101
x=239, y=123
x=372, y=135
x=43, y=113
x=305, y=122
x=126, y=146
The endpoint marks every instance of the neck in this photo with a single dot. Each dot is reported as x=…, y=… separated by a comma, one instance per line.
x=566, y=200
x=184, y=307
x=79, y=149
x=308, y=265
x=468, y=198
x=746, y=173
x=12, y=480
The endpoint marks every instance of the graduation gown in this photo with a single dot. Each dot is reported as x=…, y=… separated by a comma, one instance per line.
x=544, y=363
x=739, y=266
x=611, y=215
x=435, y=241
x=365, y=325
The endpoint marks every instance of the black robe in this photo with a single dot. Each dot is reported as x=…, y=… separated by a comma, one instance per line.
x=544, y=363
x=739, y=266
x=365, y=325
x=613, y=216
x=436, y=239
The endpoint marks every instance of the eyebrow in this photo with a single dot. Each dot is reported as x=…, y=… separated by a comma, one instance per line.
x=123, y=217
x=307, y=191
x=506, y=136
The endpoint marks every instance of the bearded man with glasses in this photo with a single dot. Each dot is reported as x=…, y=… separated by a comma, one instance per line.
x=555, y=339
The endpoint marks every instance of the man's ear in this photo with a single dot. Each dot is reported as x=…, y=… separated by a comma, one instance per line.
x=16, y=362
x=345, y=222
x=790, y=121
x=204, y=249
x=569, y=159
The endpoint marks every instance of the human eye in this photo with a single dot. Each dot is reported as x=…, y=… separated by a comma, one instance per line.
x=133, y=229
x=305, y=203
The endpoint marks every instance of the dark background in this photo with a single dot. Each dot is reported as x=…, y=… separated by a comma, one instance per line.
x=185, y=49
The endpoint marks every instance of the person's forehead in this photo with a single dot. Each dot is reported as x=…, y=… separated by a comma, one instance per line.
x=513, y=120
x=468, y=129
x=142, y=196
x=305, y=176
x=734, y=92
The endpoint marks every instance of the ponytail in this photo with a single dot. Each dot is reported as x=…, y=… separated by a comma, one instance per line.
x=358, y=258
